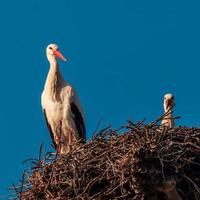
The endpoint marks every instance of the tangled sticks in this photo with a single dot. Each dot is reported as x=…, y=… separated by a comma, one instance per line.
x=133, y=162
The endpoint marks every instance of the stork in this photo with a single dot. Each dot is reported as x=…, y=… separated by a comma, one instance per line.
x=168, y=120
x=61, y=106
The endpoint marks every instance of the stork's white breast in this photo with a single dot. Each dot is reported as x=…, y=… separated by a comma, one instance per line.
x=55, y=110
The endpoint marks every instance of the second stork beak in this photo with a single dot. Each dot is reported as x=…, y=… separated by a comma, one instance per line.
x=168, y=103
x=59, y=55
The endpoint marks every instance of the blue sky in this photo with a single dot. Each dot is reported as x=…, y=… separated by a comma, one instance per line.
x=123, y=57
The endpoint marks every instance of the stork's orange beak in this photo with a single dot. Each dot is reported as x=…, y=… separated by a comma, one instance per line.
x=59, y=55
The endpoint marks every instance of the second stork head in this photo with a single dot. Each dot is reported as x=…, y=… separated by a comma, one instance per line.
x=169, y=102
x=52, y=52
x=168, y=120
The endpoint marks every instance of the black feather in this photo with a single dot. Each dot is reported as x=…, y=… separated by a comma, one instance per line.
x=79, y=122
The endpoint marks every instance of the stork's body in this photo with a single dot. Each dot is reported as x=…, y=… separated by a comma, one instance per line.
x=61, y=106
x=168, y=120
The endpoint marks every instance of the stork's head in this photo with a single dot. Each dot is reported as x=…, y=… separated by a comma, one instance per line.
x=53, y=52
x=168, y=101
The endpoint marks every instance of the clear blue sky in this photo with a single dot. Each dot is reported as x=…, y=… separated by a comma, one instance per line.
x=123, y=57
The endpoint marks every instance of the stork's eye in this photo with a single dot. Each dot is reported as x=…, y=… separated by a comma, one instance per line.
x=51, y=48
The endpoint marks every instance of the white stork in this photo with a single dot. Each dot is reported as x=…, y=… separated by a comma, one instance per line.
x=61, y=107
x=168, y=120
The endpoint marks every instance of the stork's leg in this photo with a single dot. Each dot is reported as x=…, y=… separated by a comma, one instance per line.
x=58, y=136
x=68, y=146
x=57, y=141
x=70, y=137
x=66, y=142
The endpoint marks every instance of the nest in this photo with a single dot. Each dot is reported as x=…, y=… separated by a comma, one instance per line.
x=128, y=163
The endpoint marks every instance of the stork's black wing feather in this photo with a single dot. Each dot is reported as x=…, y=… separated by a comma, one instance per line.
x=79, y=122
x=50, y=129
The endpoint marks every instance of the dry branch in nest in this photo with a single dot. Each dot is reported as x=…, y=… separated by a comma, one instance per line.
x=128, y=163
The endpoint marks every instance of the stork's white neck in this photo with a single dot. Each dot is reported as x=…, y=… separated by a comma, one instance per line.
x=54, y=78
x=168, y=109
x=168, y=120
